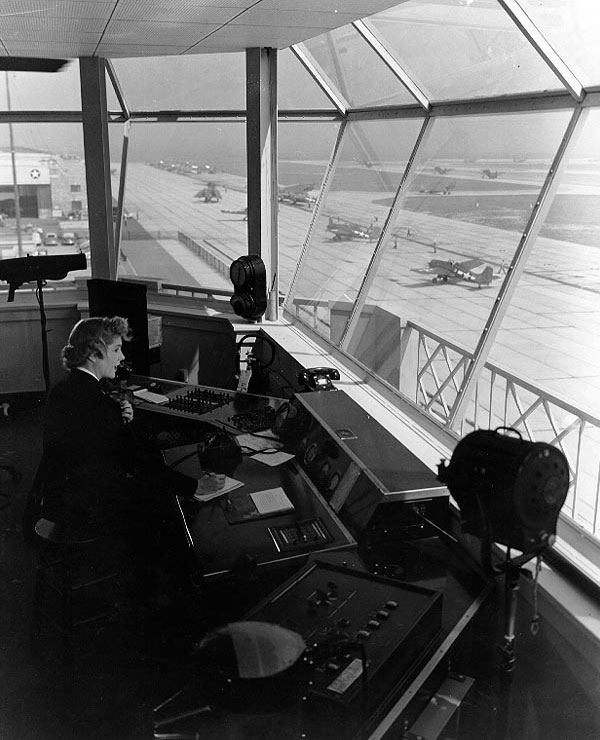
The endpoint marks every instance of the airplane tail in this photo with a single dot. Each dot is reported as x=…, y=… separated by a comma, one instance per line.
x=485, y=277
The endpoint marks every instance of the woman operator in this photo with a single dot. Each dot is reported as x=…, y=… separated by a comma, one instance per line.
x=99, y=472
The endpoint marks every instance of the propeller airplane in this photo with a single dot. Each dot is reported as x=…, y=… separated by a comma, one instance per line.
x=210, y=193
x=243, y=212
x=297, y=194
x=449, y=270
x=347, y=230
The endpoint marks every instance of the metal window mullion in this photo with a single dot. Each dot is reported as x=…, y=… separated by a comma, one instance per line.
x=517, y=266
x=543, y=47
x=118, y=222
x=121, y=193
x=117, y=88
x=368, y=31
x=321, y=79
x=325, y=185
x=378, y=253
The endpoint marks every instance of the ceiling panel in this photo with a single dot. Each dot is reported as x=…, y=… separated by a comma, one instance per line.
x=260, y=16
x=140, y=32
x=59, y=50
x=116, y=50
x=23, y=9
x=239, y=37
x=49, y=27
x=179, y=12
x=71, y=28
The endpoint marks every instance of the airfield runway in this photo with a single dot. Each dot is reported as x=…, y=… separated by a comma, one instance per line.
x=558, y=296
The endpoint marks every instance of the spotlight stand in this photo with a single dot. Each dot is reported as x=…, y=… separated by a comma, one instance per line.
x=512, y=569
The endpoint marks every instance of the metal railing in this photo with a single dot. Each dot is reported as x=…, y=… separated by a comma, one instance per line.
x=432, y=370
x=209, y=252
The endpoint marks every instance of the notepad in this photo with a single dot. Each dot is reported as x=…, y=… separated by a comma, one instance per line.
x=230, y=485
x=145, y=395
x=271, y=501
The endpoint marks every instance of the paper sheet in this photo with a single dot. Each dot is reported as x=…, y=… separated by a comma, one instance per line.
x=230, y=485
x=145, y=395
x=256, y=442
x=271, y=500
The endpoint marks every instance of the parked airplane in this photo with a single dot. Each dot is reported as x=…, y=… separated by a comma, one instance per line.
x=441, y=170
x=243, y=212
x=297, y=194
x=450, y=270
x=441, y=187
x=489, y=174
x=210, y=193
x=346, y=230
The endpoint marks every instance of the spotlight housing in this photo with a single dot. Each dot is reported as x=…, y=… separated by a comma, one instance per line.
x=509, y=490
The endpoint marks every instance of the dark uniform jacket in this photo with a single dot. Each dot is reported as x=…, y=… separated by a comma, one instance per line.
x=96, y=467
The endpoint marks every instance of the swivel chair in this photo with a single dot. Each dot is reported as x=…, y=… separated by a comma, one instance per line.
x=66, y=569
x=63, y=559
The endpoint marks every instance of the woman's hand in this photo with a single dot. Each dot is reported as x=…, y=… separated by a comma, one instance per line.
x=126, y=410
x=210, y=483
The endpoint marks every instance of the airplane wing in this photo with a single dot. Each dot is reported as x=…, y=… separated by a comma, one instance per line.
x=442, y=271
x=469, y=264
x=298, y=187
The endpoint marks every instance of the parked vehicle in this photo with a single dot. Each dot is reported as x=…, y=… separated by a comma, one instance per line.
x=68, y=239
x=50, y=239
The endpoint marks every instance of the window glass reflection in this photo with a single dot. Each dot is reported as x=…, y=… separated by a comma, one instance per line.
x=51, y=91
x=371, y=162
x=296, y=87
x=43, y=202
x=573, y=29
x=304, y=152
x=185, y=200
x=356, y=70
x=194, y=82
x=561, y=278
x=466, y=201
x=463, y=48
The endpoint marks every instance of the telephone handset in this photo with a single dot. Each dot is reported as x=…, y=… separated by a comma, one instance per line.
x=318, y=378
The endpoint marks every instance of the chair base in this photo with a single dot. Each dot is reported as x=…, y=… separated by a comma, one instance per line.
x=61, y=591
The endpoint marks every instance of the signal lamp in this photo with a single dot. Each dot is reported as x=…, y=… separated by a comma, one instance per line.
x=249, y=278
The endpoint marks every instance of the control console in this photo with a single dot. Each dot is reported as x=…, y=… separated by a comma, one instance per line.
x=357, y=465
x=358, y=628
x=235, y=412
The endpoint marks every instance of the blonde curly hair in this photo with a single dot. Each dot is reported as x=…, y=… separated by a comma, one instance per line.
x=91, y=336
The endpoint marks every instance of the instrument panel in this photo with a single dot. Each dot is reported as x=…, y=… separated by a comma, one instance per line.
x=354, y=462
x=236, y=412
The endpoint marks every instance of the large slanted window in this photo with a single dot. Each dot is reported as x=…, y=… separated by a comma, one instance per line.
x=186, y=83
x=458, y=49
x=365, y=177
x=184, y=201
